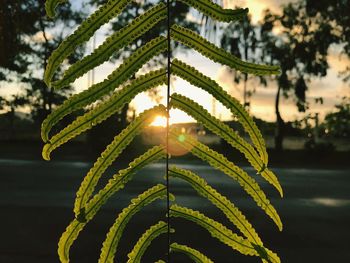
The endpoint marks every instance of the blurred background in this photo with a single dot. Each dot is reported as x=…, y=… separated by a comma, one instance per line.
x=304, y=115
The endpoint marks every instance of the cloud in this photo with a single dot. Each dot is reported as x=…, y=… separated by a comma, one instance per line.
x=337, y=60
x=256, y=7
x=330, y=88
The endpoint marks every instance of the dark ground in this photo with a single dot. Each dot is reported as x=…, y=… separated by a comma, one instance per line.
x=36, y=200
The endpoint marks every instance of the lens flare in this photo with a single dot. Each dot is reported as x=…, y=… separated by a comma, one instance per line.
x=178, y=146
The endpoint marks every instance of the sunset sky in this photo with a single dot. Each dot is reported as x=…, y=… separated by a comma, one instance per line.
x=330, y=88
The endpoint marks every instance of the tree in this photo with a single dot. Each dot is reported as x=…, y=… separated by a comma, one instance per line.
x=15, y=21
x=27, y=39
x=301, y=49
x=335, y=16
x=10, y=105
x=337, y=123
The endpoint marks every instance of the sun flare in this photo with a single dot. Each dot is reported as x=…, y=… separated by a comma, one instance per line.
x=176, y=116
x=159, y=121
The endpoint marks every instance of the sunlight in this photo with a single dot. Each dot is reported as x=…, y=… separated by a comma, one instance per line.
x=159, y=121
x=176, y=116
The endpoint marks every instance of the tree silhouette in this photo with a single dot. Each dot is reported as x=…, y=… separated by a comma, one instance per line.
x=301, y=48
x=10, y=105
x=334, y=15
x=27, y=37
x=337, y=123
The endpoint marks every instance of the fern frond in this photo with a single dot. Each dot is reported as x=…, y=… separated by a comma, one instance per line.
x=105, y=110
x=228, y=208
x=114, y=185
x=129, y=67
x=67, y=239
x=112, y=239
x=119, y=180
x=191, y=39
x=215, y=228
x=119, y=143
x=50, y=6
x=196, y=78
x=216, y=126
x=82, y=34
x=87, y=204
x=222, y=130
x=215, y=11
x=160, y=261
x=218, y=161
x=269, y=176
x=119, y=39
x=145, y=241
x=193, y=254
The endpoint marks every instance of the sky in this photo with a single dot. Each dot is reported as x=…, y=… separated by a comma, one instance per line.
x=330, y=88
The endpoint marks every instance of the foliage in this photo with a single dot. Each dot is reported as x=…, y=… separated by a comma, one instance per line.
x=301, y=48
x=335, y=20
x=118, y=92
x=337, y=123
x=27, y=38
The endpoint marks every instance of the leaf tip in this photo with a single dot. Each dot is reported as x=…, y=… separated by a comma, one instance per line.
x=280, y=190
x=46, y=152
x=50, y=7
x=172, y=197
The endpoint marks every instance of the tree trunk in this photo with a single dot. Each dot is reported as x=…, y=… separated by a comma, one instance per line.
x=279, y=133
x=47, y=93
x=245, y=94
x=245, y=97
x=122, y=120
x=12, y=123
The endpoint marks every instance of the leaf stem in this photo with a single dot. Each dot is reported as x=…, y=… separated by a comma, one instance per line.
x=168, y=125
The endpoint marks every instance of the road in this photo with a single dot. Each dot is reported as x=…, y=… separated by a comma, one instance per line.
x=36, y=200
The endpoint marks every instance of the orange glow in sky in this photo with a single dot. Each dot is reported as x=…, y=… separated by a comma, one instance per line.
x=159, y=121
x=176, y=116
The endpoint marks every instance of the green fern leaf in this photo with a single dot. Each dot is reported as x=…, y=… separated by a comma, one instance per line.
x=51, y=5
x=215, y=11
x=119, y=180
x=227, y=207
x=119, y=39
x=110, y=244
x=130, y=66
x=105, y=110
x=160, y=261
x=222, y=130
x=120, y=142
x=114, y=185
x=86, y=204
x=221, y=163
x=193, y=254
x=82, y=34
x=191, y=39
x=145, y=241
x=216, y=229
x=196, y=78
